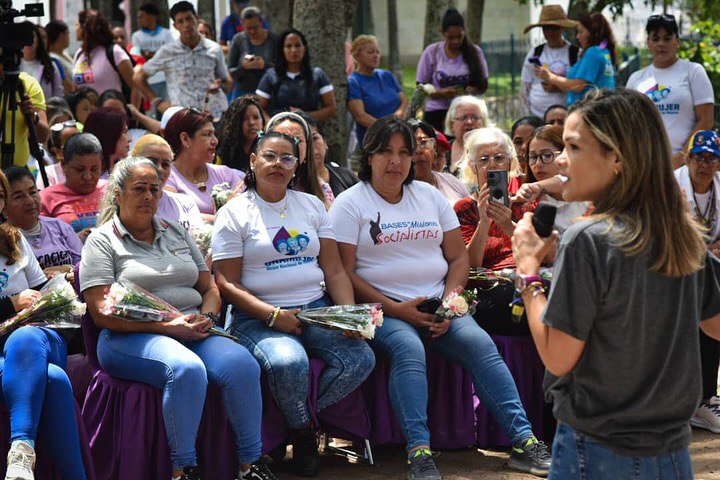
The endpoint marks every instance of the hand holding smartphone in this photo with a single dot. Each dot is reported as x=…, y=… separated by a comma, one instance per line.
x=497, y=182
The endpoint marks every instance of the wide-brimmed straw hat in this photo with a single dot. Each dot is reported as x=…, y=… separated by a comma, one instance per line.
x=552, y=15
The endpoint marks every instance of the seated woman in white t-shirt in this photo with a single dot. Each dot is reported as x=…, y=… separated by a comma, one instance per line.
x=272, y=248
x=544, y=145
x=32, y=375
x=174, y=206
x=401, y=244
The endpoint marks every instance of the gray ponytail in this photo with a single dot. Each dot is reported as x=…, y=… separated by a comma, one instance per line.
x=120, y=174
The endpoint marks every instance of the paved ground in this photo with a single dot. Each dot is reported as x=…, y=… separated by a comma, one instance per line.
x=488, y=465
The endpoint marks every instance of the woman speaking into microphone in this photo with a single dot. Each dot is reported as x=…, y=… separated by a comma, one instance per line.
x=632, y=283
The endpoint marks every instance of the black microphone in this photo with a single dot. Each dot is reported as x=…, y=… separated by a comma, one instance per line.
x=544, y=219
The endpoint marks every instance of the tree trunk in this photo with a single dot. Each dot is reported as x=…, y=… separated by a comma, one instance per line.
x=474, y=20
x=279, y=13
x=577, y=8
x=393, y=42
x=434, y=11
x=326, y=41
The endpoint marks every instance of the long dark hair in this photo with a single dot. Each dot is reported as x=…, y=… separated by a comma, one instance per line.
x=305, y=65
x=452, y=18
x=230, y=136
x=42, y=55
x=96, y=31
x=600, y=30
x=107, y=125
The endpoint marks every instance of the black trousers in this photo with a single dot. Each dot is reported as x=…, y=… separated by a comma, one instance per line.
x=436, y=118
x=709, y=362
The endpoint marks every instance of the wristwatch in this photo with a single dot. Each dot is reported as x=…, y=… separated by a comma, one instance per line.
x=522, y=281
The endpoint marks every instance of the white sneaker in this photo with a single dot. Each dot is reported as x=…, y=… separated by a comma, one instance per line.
x=707, y=415
x=21, y=462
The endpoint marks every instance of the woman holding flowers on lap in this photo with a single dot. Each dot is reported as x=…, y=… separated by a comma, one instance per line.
x=176, y=356
x=400, y=242
x=272, y=248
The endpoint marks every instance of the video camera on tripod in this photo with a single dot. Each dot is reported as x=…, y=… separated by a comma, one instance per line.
x=13, y=37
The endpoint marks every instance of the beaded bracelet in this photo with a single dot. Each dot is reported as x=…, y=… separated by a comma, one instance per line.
x=536, y=287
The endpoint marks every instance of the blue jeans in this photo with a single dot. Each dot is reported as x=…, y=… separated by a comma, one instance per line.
x=182, y=370
x=38, y=393
x=284, y=359
x=575, y=456
x=464, y=343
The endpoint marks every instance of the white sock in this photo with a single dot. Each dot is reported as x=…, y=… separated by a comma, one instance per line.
x=26, y=442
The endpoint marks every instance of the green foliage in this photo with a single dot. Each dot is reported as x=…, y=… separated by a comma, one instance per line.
x=702, y=47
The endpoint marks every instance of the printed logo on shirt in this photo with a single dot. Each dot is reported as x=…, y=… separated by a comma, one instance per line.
x=83, y=73
x=397, y=232
x=445, y=80
x=290, y=243
x=54, y=259
x=657, y=93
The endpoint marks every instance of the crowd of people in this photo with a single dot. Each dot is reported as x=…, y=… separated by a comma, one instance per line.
x=140, y=132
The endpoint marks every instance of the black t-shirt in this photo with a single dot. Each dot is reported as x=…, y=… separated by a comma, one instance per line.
x=293, y=90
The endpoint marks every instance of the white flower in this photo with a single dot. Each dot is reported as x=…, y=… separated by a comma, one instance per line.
x=459, y=305
x=427, y=88
x=79, y=309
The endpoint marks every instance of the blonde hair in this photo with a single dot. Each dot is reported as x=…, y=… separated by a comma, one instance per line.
x=644, y=202
x=359, y=42
x=10, y=237
x=467, y=100
x=482, y=137
x=147, y=140
x=116, y=183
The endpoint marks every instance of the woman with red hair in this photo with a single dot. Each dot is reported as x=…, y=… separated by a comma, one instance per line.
x=191, y=135
x=110, y=127
x=99, y=63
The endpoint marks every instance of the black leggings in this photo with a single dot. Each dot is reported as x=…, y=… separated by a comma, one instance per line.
x=709, y=362
x=436, y=118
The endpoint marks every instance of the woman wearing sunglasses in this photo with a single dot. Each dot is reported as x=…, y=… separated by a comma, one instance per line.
x=700, y=182
x=544, y=145
x=272, y=248
x=680, y=89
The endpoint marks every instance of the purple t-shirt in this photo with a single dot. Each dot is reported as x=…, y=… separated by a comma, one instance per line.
x=57, y=244
x=216, y=174
x=180, y=208
x=442, y=71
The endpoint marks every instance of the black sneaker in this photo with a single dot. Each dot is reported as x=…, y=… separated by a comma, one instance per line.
x=191, y=473
x=258, y=471
x=305, y=453
x=530, y=456
x=421, y=466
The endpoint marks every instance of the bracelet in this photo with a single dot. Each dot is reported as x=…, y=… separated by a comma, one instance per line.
x=536, y=287
x=212, y=317
x=272, y=317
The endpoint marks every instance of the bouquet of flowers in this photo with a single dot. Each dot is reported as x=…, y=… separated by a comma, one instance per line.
x=130, y=302
x=56, y=307
x=363, y=318
x=203, y=238
x=221, y=193
x=459, y=302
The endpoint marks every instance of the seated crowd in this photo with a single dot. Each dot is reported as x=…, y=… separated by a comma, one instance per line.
x=127, y=195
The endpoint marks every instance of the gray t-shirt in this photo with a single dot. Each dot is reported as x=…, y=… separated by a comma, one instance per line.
x=247, y=80
x=169, y=268
x=637, y=383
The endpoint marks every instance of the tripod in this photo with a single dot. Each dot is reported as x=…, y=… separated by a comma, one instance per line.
x=11, y=89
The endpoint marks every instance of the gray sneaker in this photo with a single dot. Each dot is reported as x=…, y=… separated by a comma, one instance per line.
x=530, y=456
x=421, y=466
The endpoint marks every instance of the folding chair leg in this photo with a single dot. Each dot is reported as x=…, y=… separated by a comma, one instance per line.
x=350, y=454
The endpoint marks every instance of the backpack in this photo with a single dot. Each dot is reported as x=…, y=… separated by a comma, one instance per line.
x=126, y=89
x=573, y=53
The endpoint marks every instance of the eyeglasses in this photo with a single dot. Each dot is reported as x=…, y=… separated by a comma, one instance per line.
x=497, y=159
x=546, y=156
x=468, y=118
x=426, y=143
x=706, y=158
x=59, y=127
x=286, y=161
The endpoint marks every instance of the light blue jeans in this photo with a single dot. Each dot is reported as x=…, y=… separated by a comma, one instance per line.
x=182, y=370
x=575, y=456
x=284, y=358
x=464, y=343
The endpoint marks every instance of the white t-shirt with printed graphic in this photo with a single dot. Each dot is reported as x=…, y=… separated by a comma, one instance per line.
x=279, y=255
x=398, y=245
x=557, y=60
x=21, y=275
x=676, y=91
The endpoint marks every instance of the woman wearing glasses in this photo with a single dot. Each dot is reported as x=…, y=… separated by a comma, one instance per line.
x=401, y=244
x=545, y=145
x=680, y=89
x=700, y=181
x=466, y=113
x=272, y=248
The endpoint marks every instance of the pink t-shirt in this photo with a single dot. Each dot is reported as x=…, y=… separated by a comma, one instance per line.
x=98, y=73
x=216, y=174
x=58, y=201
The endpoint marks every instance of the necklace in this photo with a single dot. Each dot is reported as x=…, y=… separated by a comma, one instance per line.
x=282, y=211
x=707, y=218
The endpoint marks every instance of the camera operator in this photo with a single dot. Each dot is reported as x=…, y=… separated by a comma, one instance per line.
x=30, y=105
